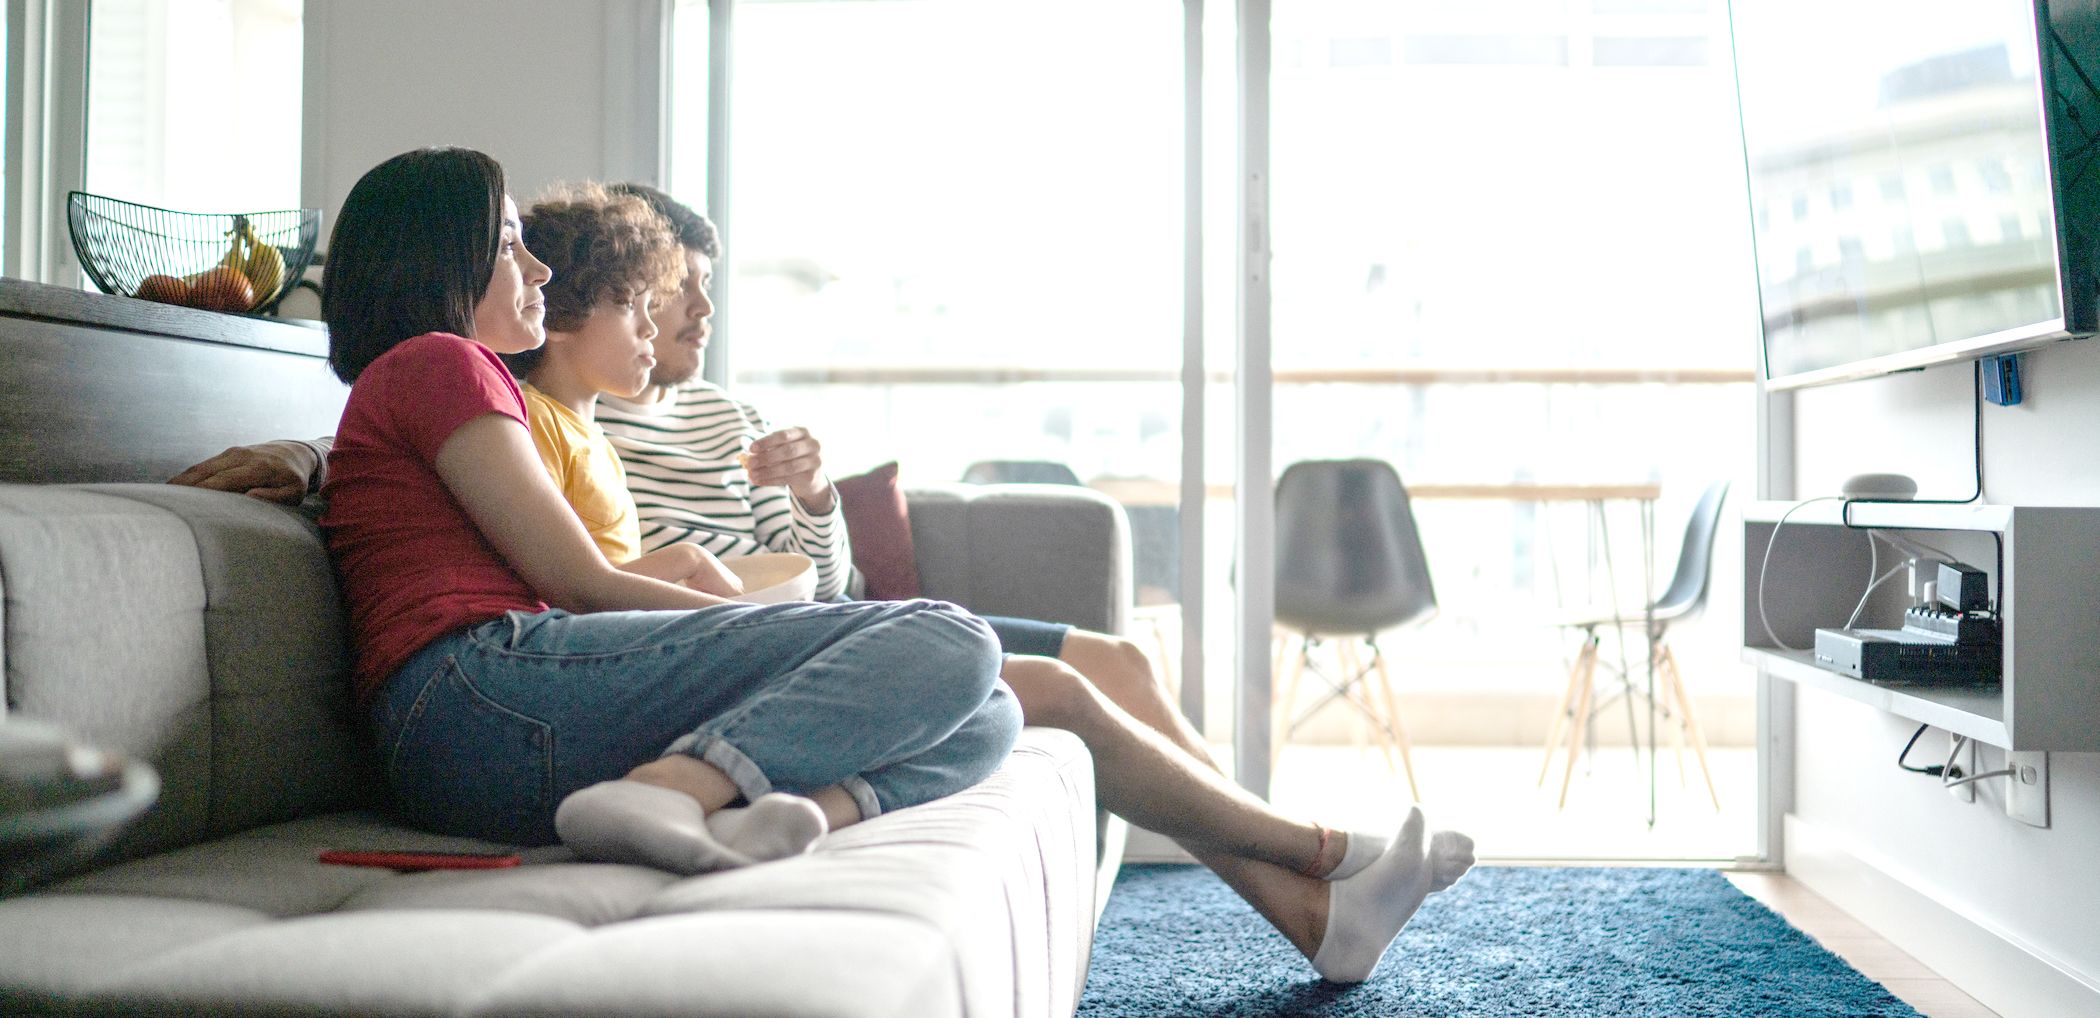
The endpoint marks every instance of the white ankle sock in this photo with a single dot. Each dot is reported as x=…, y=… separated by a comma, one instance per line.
x=1450, y=856
x=649, y=825
x=1358, y=851
x=775, y=826
x=1366, y=911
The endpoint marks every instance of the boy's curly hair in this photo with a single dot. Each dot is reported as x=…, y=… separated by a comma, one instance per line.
x=601, y=246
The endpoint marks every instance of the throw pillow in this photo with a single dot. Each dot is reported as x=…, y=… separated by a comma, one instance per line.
x=879, y=528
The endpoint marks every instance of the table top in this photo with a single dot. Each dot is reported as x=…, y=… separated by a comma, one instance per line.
x=1150, y=491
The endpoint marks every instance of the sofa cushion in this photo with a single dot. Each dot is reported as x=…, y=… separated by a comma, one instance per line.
x=878, y=527
x=981, y=903
x=104, y=635
x=195, y=630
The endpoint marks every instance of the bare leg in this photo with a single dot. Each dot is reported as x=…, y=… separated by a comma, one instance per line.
x=1153, y=768
x=839, y=808
x=1144, y=777
x=705, y=782
x=1124, y=674
x=1279, y=888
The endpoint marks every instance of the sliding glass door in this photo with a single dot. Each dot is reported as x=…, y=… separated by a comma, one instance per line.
x=1510, y=258
x=1159, y=247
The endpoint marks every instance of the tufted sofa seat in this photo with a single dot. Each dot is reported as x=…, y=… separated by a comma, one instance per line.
x=201, y=632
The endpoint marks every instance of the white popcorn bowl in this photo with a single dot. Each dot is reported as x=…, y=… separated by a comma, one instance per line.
x=775, y=576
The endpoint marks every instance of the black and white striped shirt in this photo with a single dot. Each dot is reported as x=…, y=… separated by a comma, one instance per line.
x=682, y=468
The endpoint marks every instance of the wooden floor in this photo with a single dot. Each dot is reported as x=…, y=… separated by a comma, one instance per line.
x=1844, y=936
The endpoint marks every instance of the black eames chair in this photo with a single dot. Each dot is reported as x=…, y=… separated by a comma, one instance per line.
x=1680, y=602
x=1349, y=567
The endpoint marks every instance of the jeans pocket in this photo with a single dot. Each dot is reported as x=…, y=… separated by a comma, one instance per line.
x=461, y=763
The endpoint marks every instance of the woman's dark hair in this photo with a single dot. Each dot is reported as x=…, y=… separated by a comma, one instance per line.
x=412, y=251
x=693, y=229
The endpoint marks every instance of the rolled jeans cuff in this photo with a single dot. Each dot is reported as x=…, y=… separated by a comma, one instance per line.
x=863, y=796
x=752, y=782
x=715, y=751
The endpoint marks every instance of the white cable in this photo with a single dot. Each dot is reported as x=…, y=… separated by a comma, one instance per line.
x=1869, y=592
x=1764, y=619
x=2006, y=773
x=1898, y=541
x=1917, y=550
x=1948, y=770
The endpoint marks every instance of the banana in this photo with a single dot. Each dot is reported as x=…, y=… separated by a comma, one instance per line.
x=264, y=266
x=254, y=258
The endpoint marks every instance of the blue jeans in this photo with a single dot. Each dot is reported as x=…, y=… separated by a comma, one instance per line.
x=1029, y=636
x=484, y=732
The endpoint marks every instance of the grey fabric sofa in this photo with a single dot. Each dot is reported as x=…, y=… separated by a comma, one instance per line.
x=201, y=632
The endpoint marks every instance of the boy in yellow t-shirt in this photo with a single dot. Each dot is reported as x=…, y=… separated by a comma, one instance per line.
x=609, y=253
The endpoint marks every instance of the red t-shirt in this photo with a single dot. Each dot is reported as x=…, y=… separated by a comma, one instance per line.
x=414, y=566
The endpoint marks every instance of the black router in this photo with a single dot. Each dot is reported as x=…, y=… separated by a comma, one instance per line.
x=1955, y=643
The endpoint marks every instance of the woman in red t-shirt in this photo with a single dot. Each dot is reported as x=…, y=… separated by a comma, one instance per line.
x=521, y=688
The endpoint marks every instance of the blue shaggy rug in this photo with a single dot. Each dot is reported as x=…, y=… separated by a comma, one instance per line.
x=1175, y=941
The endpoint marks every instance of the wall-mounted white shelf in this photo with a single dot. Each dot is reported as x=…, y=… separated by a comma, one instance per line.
x=2043, y=562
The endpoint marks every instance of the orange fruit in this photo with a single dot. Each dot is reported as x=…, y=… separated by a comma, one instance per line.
x=165, y=289
x=222, y=289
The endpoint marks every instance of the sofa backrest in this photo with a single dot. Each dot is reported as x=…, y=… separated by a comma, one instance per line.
x=198, y=631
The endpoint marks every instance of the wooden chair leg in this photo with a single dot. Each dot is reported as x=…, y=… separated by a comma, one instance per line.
x=1392, y=709
x=1668, y=710
x=1567, y=699
x=1280, y=724
x=1582, y=721
x=1356, y=689
x=1691, y=722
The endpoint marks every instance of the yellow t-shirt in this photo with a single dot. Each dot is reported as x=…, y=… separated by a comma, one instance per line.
x=588, y=473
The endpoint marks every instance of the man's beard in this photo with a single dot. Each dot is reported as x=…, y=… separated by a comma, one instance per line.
x=671, y=379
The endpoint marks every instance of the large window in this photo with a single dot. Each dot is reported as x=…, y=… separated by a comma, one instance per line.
x=1511, y=256
x=1508, y=250
x=944, y=212
x=194, y=105
x=1482, y=210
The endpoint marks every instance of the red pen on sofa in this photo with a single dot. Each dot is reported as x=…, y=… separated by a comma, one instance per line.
x=409, y=860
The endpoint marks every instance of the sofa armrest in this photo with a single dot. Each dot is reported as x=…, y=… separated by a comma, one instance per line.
x=1058, y=553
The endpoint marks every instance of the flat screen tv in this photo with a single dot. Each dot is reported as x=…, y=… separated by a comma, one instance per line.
x=1924, y=179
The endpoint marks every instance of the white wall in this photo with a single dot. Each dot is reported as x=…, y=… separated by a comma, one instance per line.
x=2038, y=888
x=553, y=89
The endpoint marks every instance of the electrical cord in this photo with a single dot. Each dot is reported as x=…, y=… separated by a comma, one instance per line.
x=1869, y=592
x=1762, y=617
x=1845, y=512
x=1951, y=775
x=1908, y=562
x=1933, y=770
x=2006, y=773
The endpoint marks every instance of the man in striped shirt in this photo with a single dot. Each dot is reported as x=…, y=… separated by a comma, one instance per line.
x=705, y=467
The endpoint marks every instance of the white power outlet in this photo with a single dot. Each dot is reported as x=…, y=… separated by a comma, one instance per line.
x=2027, y=788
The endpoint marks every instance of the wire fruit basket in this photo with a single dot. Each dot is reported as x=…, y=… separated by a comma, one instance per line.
x=217, y=261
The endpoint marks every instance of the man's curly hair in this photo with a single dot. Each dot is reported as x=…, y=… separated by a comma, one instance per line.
x=601, y=246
